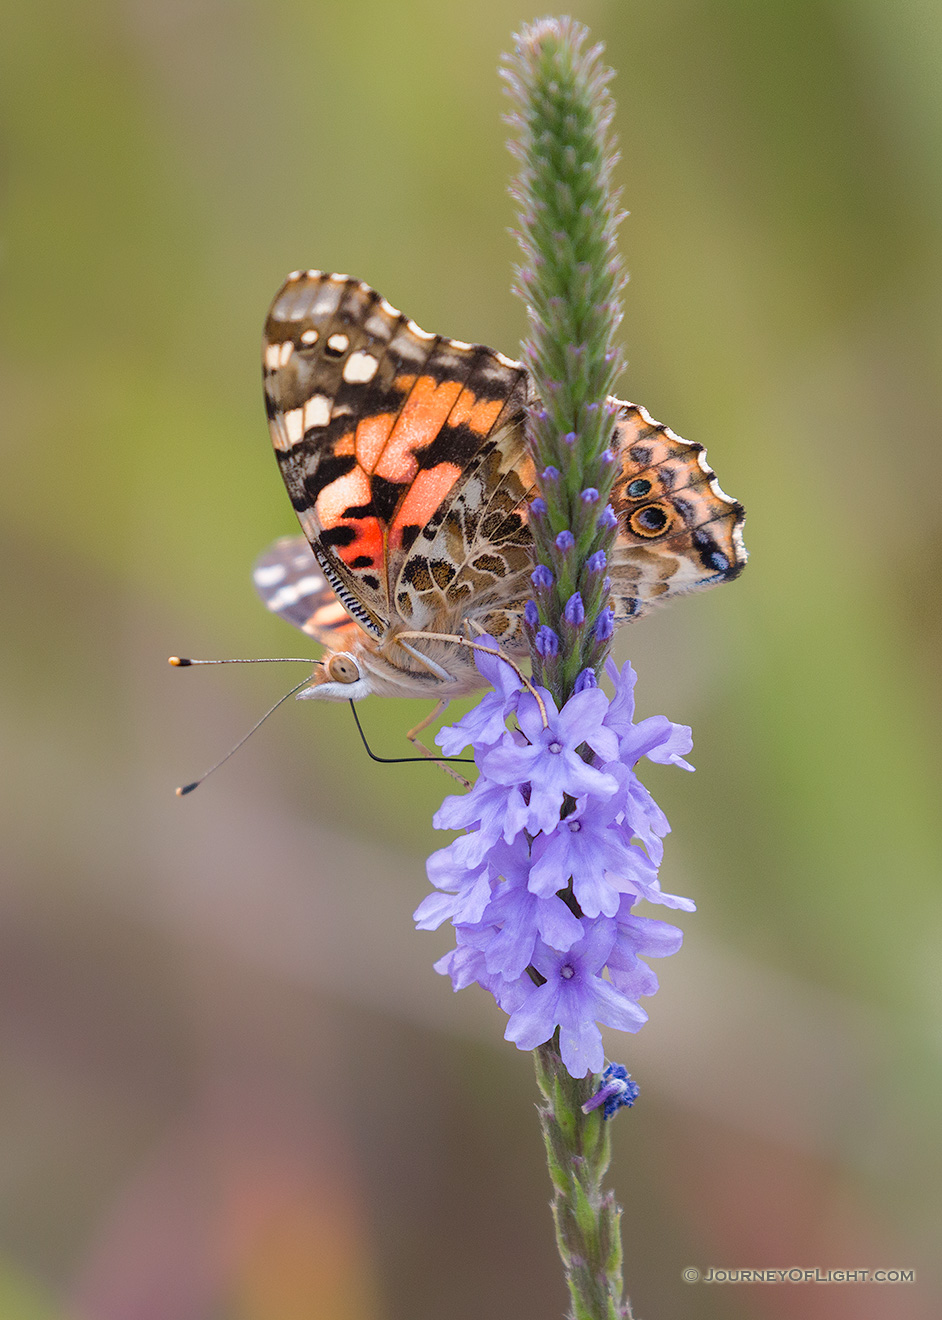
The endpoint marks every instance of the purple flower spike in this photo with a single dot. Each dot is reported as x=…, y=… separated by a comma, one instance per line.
x=565, y=541
x=547, y=642
x=542, y=578
x=590, y=495
x=524, y=886
x=574, y=613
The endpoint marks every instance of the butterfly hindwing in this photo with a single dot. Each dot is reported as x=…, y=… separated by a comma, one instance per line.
x=289, y=580
x=678, y=531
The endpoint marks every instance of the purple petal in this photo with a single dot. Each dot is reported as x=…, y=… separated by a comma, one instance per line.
x=534, y=1022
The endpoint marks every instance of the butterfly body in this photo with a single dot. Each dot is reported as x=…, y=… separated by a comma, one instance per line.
x=405, y=457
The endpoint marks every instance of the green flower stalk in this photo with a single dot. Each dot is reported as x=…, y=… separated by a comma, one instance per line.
x=570, y=279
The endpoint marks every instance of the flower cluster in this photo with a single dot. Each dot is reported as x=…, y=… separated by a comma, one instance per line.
x=562, y=840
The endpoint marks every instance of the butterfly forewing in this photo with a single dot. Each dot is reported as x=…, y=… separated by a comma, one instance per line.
x=386, y=434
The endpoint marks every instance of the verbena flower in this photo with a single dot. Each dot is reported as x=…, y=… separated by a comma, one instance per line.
x=562, y=841
x=548, y=761
x=574, y=997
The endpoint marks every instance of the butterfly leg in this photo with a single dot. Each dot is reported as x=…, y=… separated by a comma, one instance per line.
x=413, y=736
x=487, y=650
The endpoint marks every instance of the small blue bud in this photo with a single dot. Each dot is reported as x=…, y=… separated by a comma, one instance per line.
x=585, y=679
x=531, y=615
x=542, y=578
x=596, y=563
x=605, y=625
x=607, y=517
x=570, y=438
x=547, y=642
x=538, y=507
x=565, y=541
x=590, y=495
x=550, y=474
x=574, y=613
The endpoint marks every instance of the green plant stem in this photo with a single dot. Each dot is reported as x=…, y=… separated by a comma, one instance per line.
x=586, y=1216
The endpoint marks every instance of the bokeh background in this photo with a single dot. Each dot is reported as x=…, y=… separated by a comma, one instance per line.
x=231, y=1086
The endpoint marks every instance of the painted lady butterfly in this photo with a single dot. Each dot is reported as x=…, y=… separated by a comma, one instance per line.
x=405, y=459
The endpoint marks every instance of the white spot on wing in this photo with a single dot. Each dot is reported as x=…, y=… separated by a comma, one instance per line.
x=339, y=343
x=272, y=352
x=316, y=411
x=309, y=337
x=359, y=368
x=417, y=330
x=269, y=575
x=294, y=425
x=720, y=493
x=292, y=592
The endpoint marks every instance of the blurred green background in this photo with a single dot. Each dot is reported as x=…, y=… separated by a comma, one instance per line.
x=232, y=1087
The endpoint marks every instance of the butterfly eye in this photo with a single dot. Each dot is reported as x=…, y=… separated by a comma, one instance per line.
x=640, y=486
x=342, y=669
x=649, y=521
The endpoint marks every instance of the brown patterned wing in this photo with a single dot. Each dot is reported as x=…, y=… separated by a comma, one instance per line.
x=678, y=531
x=377, y=427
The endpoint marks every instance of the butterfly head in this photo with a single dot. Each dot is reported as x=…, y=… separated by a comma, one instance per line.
x=339, y=676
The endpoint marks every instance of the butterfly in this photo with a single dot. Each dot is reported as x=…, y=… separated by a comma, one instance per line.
x=405, y=457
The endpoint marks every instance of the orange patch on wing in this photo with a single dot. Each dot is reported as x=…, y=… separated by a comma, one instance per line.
x=329, y=616
x=424, y=496
x=345, y=446
x=372, y=434
x=422, y=417
x=367, y=540
x=479, y=414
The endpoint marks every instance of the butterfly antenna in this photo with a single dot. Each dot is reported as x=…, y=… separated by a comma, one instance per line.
x=188, y=788
x=400, y=760
x=182, y=662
